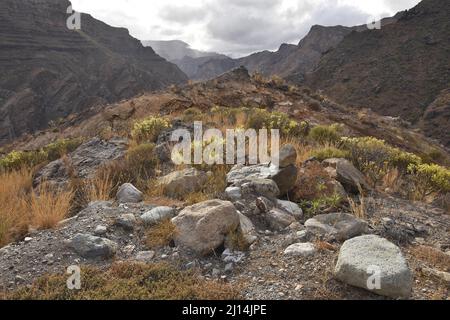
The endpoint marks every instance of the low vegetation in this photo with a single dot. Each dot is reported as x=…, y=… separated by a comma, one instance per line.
x=148, y=130
x=22, y=207
x=160, y=235
x=19, y=159
x=128, y=281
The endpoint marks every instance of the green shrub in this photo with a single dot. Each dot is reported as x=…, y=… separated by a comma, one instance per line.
x=325, y=134
x=374, y=157
x=61, y=147
x=141, y=160
x=329, y=152
x=429, y=179
x=149, y=129
x=261, y=118
x=19, y=159
x=193, y=114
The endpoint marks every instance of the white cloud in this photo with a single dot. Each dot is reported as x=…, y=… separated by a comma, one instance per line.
x=235, y=27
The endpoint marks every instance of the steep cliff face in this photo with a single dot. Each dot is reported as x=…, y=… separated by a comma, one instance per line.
x=48, y=71
x=289, y=61
x=398, y=70
x=292, y=61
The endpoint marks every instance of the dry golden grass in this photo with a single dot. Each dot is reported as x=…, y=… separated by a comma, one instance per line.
x=358, y=209
x=14, y=213
x=100, y=188
x=324, y=246
x=392, y=181
x=128, y=281
x=433, y=257
x=161, y=234
x=48, y=207
x=21, y=207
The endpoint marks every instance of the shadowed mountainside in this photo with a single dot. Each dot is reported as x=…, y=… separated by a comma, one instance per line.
x=48, y=71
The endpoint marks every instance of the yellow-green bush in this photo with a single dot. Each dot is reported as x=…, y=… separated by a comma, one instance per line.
x=18, y=159
x=193, y=114
x=261, y=118
x=51, y=152
x=374, y=157
x=369, y=151
x=429, y=179
x=61, y=147
x=141, y=160
x=329, y=152
x=325, y=134
x=149, y=129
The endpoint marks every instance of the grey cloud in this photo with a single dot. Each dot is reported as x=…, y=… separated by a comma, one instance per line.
x=183, y=14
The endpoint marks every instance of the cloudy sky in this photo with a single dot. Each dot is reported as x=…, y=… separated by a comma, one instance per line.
x=235, y=27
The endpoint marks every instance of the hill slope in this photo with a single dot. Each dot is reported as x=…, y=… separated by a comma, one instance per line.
x=48, y=71
x=398, y=70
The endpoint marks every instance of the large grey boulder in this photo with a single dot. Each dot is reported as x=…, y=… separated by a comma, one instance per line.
x=260, y=187
x=92, y=247
x=240, y=173
x=346, y=173
x=205, y=226
x=365, y=260
x=278, y=220
x=285, y=178
x=288, y=156
x=247, y=229
x=128, y=193
x=157, y=215
x=84, y=161
x=180, y=183
x=291, y=208
x=340, y=226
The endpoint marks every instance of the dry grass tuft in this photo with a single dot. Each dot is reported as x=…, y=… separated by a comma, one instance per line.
x=14, y=213
x=324, y=246
x=432, y=257
x=21, y=206
x=161, y=234
x=48, y=207
x=128, y=281
x=358, y=209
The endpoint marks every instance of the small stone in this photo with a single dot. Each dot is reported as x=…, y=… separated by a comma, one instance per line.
x=100, y=230
x=157, y=215
x=145, y=256
x=129, y=194
x=28, y=239
x=301, y=249
x=229, y=268
x=89, y=246
x=233, y=193
x=126, y=221
x=215, y=272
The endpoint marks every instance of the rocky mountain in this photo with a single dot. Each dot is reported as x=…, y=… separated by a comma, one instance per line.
x=198, y=65
x=399, y=70
x=174, y=50
x=48, y=71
